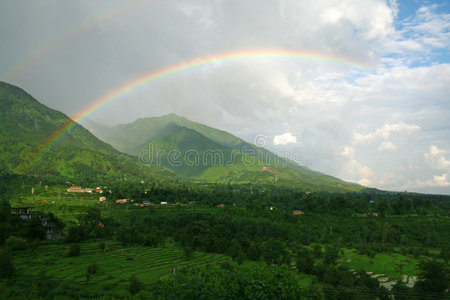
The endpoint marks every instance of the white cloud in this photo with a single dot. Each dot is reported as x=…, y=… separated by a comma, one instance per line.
x=366, y=172
x=355, y=171
x=384, y=132
x=387, y=146
x=331, y=15
x=348, y=152
x=423, y=33
x=436, y=181
x=386, y=179
x=284, y=139
x=365, y=182
x=402, y=101
x=435, y=157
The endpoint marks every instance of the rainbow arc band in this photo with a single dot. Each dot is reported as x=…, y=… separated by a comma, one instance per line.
x=188, y=65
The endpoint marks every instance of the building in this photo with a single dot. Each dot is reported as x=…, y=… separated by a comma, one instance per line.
x=164, y=203
x=298, y=212
x=25, y=213
x=79, y=189
x=221, y=205
x=122, y=201
x=374, y=214
x=52, y=231
x=98, y=190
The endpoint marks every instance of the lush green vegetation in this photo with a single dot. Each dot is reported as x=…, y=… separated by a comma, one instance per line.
x=34, y=140
x=37, y=140
x=103, y=271
x=196, y=150
x=238, y=250
x=220, y=231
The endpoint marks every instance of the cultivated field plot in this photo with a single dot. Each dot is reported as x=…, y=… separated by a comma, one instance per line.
x=115, y=265
x=393, y=265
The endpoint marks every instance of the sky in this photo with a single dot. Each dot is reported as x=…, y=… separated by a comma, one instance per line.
x=368, y=103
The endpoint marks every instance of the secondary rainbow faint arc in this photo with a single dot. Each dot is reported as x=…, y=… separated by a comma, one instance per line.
x=196, y=62
x=66, y=36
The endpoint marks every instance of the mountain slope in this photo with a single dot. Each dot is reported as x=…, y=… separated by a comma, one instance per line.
x=28, y=146
x=189, y=153
x=126, y=137
x=242, y=161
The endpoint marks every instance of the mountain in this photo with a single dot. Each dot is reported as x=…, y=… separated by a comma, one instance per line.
x=94, y=127
x=29, y=145
x=164, y=147
x=202, y=152
x=189, y=153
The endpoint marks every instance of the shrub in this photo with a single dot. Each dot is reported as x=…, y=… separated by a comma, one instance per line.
x=92, y=268
x=74, y=250
x=102, y=246
x=16, y=243
x=135, y=285
x=75, y=234
x=6, y=264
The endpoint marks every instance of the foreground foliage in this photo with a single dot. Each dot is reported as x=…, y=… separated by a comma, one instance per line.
x=251, y=247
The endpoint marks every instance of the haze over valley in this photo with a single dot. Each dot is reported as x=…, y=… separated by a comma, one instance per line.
x=225, y=149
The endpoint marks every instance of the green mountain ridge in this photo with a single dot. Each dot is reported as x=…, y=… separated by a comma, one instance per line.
x=28, y=144
x=164, y=147
x=174, y=138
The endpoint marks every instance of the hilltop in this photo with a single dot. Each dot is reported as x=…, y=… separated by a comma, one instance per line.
x=28, y=144
x=198, y=151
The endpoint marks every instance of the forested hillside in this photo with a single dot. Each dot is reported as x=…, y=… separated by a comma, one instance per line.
x=34, y=140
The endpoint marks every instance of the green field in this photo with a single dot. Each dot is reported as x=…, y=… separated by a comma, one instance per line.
x=115, y=265
x=392, y=265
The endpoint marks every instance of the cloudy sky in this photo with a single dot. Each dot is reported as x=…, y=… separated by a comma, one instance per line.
x=376, y=112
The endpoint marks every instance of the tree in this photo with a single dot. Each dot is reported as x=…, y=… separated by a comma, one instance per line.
x=5, y=211
x=236, y=252
x=16, y=243
x=273, y=251
x=187, y=251
x=254, y=251
x=317, y=250
x=74, y=250
x=435, y=277
x=91, y=270
x=445, y=254
x=402, y=292
x=6, y=264
x=331, y=254
x=102, y=246
x=34, y=229
x=305, y=261
x=135, y=285
x=75, y=234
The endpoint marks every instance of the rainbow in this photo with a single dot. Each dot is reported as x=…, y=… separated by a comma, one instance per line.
x=188, y=65
x=67, y=35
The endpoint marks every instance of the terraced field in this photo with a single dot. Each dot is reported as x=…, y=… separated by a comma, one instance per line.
x=393, y=265
x=115, y=265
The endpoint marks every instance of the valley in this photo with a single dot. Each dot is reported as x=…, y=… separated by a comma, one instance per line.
x=186, y=210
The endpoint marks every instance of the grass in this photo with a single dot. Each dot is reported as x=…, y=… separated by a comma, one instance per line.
x=57, y=200
x=392, y=265
x=115, y=265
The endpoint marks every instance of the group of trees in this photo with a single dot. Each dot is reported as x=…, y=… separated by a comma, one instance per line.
x=270, y=246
